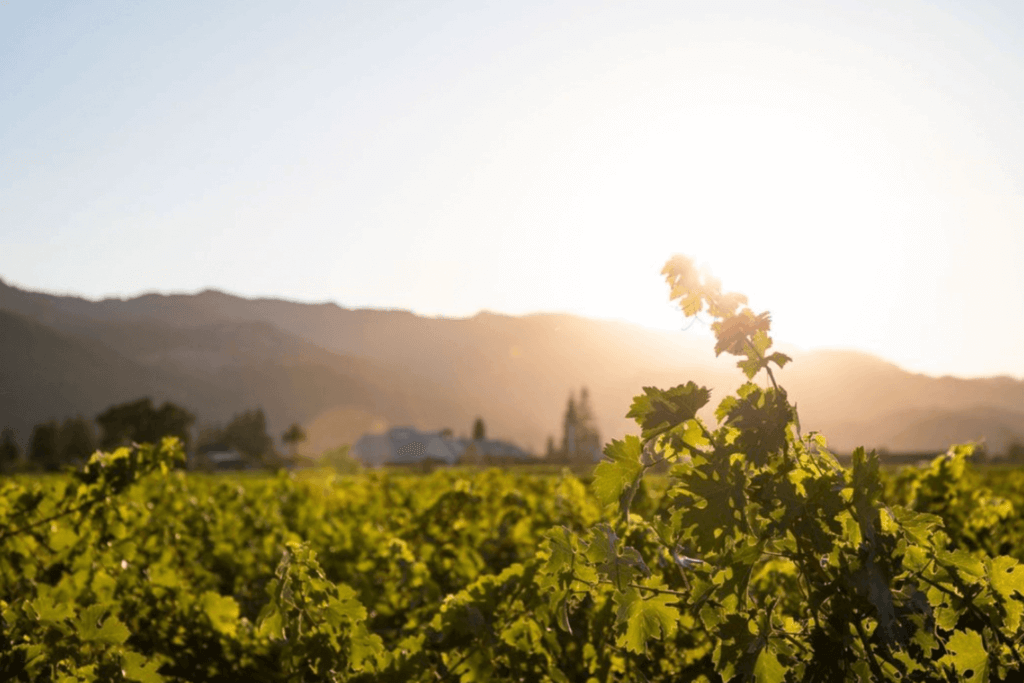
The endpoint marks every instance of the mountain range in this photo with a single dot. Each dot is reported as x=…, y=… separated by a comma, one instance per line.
x=343, y=372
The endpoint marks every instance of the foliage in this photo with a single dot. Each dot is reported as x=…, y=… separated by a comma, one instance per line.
x=139, y=422
x=247, y=433
x=43, y=446
x=450, y=576
x=132, y=571
x=479, y=431
x=10, y=452
x=793, y=567
x=61, y=619
x=76, y=440
x=293, y=436
x=54, y=445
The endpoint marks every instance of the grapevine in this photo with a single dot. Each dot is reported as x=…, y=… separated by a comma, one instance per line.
x=787, y=565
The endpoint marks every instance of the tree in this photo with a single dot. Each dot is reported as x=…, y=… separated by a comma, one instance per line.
x=1015, y=452
x=570, y=423
x=580, y=441
x=247, y=433
x=173, y=420
x=76, y=440
x=124, y=423
x=550, y=453
x=10, y=452
x=479, y=433
x=293, y=436
x=42, y=449
x=139, y=422
x=588, y=438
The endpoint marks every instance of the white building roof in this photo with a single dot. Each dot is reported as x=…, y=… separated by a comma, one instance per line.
x=407, y=445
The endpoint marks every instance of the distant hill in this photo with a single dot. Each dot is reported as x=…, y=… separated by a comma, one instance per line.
x=47, y=374
x=215, y=371
x=343, y=372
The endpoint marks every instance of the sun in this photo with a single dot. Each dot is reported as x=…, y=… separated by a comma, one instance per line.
x=790, y=210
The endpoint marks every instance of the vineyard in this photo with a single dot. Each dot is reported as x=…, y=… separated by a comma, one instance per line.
x=752, y=555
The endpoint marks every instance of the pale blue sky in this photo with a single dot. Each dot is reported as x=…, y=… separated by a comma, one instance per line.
x=855, y=168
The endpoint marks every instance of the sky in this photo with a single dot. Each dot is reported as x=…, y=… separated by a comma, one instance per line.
x=855, y=168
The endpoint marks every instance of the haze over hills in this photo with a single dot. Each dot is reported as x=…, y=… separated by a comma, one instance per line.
x=343, y=372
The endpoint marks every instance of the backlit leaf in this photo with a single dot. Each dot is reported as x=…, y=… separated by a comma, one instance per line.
x=616, y=480
x=658, y=410
x=221, y=610
x=645, y=619
x=967, y=655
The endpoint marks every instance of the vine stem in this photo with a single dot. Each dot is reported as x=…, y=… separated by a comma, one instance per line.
x=15, y=532
x=662, y=591
x=793, y=639
x=771, y=376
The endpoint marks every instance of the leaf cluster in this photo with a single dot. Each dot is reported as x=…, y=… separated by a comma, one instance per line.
x=793, y=566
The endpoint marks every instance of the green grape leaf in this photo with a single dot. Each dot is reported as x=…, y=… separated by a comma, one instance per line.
x=871, y=584
x=621, y=566
x=49, y=609
x=1007, y=578
x=344, y=607
x=767, y=668
x=111, y=632
x=221, y=610
x=137, y=668
x=919, y=526
x=710, y=501
x=562, y=547
x=761, y=341
x=725, y=407
x=751, y=366
x=366, y=648
x=967, y=655
x=657, y=411
x=63, y=538
x=645, y=619
x=968, y=567
x=164, y=575
x=738, y=648
x=617, y=479
x=693, y=434
x=271, y=622
x=762, y=417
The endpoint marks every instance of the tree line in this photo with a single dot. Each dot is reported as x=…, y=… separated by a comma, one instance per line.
x=54, y=445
